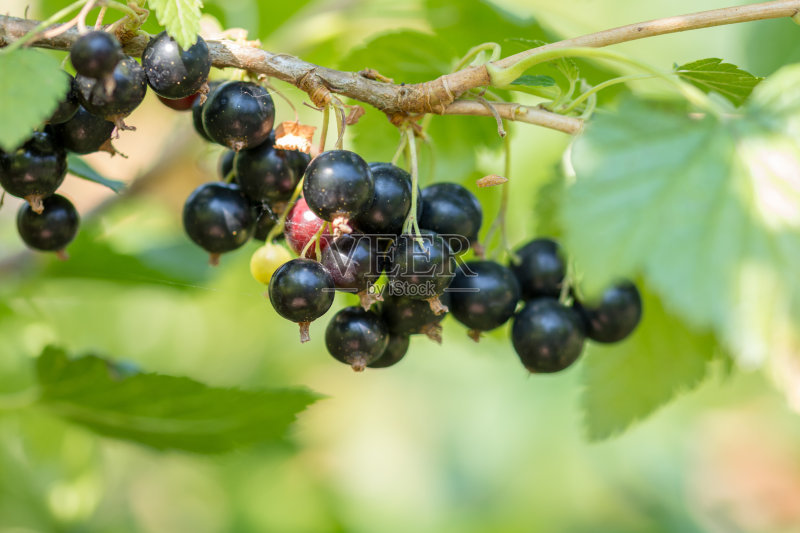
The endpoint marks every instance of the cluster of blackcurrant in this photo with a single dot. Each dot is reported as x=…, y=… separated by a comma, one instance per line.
x=108, y=86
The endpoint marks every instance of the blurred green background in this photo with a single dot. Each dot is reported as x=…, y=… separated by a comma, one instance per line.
x=457, y=437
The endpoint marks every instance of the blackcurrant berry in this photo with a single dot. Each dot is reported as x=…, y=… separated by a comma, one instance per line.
x=541, y=269
x=301, y=226
x=264, y=173
x=225, y=165
x=51, y=231
x=354, y=263
x=390, y=202
x=356, y=337
x=181, y=104
x=95, y=54
x=547, y=336
x=338, y=185
x=422, y=267
x=483, y=295
x=84, y=133
x=67, y=106
x=34, y=170
x=239, y=115
x=173, y=72
x=197, y=111
x=130, y=86
x=617, y=314
x=218, y=218
x=406, y=316
x=395, y=350
x=450, y=209
x=266, y=220
x=301, y=290
x=298, y=161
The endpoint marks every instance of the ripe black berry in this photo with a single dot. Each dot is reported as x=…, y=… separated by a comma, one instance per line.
x=547, y=336
x=301, y=290
x=180, y=104
x=541, y=269
x=239, y=115
x=68, y=105
x=338, y=185
x=395, y=350
x=265, y=174
x=422, y=267
x=226, y=164
x=354, y=263
x=390, y=202
x=617, y=314
x=34, y=170
x=483, y=295
x=264, y=223
x=130, y=86
x=51, y=231
x=84, y=133
x=406, y=316
x=173, y=72
x=450, y=209
x=95, y=54
x=197, y=111
x=356, y=337
x=298, y=161
x=218, y=217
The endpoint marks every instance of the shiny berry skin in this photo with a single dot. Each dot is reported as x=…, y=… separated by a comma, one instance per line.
x=95, y=54
x=395, y=351
x=197, y=111
x=406, y=316
x=264, y=223
x=338, y=183
x=450, y=209
x=36, y=169
x=173, y=72
x=356, y=337
x=68, y=105
x=239, y=115
x=301, y=290
x=390, y=202
x=298, y=161
x=421, y=271
x=130, y=86
x=218, y=217
x=541, y=269
x=51, y=231
x=617, y=314
x=181, y=104
x=266, y=260
x=225, y=164
x=301, y=226
x=264, y=173
x=353, y=261
x=547, y=336
x=84, y=133
x=483, y=295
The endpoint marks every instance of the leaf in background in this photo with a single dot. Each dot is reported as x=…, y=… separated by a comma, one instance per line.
x=407, y=56
x=181, y=19
x=164, y=412
x=534, y=81
x=627, y=381
x=726, y=79
x=80, y=168
x=31, y=86
x=706, y=209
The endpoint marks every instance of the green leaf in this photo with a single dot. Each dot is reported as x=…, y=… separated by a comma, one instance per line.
x=160, y=411
x=78, y=167
x=705, y=208
x=726, y=79
x=181, y=19
x=626, y=382
x=406, y=56
x=31, y=85
x=534, y=81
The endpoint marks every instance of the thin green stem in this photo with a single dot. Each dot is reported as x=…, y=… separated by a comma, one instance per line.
x=119, y=6
x=600, y=86
x=314, y=241
x=340, y=123
x=411, y=224
x=279, y=225
x=34, y=33
x=324, y=132
x=475, y=50
x=401, y=147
